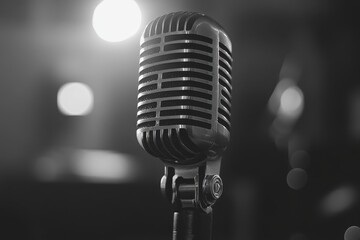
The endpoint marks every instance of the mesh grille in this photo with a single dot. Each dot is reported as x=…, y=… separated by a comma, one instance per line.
x=184, y=92
x=179, y=21
x=176, y=72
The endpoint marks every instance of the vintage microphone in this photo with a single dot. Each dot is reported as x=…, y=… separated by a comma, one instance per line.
x=184, y=109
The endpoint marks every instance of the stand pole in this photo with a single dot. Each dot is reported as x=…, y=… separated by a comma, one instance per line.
x=192, y=224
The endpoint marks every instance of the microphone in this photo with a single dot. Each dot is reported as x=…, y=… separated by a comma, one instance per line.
x=184, y=106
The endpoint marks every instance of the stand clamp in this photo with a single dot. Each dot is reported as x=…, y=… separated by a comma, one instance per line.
x=196, y=187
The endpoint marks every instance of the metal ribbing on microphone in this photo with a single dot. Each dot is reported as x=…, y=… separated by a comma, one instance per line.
x=184, y=92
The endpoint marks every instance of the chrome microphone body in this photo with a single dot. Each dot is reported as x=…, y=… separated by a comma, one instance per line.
x=184, y=111
x=184, y=93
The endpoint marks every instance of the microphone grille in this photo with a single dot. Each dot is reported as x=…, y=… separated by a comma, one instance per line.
x=173, y=22
x=184, y=92
x=225, y=71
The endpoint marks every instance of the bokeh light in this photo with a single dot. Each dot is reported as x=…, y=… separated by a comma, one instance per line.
x=352, y=233
x=116, y=20
x=339, y=200
x=297, y=178
x=291, y=101
x=103, y=166
x=75, y=99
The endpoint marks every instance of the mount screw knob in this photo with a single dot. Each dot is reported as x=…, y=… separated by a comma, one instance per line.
x=213, y=188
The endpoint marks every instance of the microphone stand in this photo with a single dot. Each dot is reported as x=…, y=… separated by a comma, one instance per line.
x=192, y=224
x=193, y=190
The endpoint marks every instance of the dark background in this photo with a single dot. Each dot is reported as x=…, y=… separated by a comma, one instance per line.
x=286, y=177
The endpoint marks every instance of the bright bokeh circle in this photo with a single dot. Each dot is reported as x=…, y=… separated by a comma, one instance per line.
x=116, y=20
x=297, y=178
x=291, y=100
x=75, y=99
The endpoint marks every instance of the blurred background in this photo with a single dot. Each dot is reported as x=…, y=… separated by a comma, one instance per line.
x=76, y=171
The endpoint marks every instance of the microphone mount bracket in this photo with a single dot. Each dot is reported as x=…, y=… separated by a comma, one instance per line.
x=193, y=187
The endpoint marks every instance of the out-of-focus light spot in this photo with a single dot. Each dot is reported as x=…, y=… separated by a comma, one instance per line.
x=291, y=101
x=75, y=99
x=339, y=200
x=286, y=104
x=352, y=233
x=297, y=178
x=299, y=159
x=103, y=166
x=116, y=20
x=274, y=101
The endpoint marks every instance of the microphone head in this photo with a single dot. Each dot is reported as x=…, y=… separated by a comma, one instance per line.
x=184, y=92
